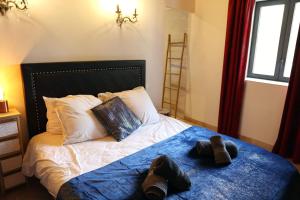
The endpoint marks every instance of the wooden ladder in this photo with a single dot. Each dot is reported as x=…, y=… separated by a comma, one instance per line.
x=169, y=104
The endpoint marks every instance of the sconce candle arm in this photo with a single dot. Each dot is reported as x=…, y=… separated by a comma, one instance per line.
x=120, y=19
x=6, y=5
x=21, y=6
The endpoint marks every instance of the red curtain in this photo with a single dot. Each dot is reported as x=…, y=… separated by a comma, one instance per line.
x=234, y=67
x=288, y=142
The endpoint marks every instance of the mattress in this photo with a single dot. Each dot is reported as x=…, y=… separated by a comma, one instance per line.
x=55, y=164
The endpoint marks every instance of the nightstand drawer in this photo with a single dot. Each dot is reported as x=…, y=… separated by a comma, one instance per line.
x=14, y=180
x=11, y=164
x=11, y=152
x=9, y=146
x=8, y=128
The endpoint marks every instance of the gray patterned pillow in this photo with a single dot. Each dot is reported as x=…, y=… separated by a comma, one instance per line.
x=117, y=118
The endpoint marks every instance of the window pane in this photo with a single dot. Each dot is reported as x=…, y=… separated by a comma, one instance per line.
x=292, y=41
x=267, y=41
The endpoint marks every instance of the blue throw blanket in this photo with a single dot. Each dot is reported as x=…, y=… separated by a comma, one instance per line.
x=254, y=174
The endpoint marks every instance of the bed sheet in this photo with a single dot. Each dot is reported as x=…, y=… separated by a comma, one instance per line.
x=54, y=163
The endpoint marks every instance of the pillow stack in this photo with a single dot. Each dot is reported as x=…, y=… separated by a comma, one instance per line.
x=53, y=125
x=81, y=118
x=72, y=117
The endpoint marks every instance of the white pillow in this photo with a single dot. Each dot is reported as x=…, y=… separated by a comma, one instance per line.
x=138, y=101
x=53, y=124
x=78, y=121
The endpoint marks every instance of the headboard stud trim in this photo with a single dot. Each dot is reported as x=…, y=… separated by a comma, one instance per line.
x=33, y=74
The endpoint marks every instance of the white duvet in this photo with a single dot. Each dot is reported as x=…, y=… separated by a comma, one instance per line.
x=54, y=163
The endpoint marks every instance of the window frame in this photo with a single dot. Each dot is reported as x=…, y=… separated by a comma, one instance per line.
x=283, y=40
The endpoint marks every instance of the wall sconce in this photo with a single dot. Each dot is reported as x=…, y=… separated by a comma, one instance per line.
x=6, y=5
x=120, y=19
x=3, y=102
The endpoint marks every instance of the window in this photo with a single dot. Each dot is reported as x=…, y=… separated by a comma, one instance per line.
x=274, y=35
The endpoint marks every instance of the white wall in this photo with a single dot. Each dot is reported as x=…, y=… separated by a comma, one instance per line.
x=77, y=30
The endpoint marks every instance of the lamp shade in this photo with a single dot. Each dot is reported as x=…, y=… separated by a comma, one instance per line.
x=3, y=103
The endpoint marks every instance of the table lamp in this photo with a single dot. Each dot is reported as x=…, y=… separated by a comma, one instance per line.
x=3, y=103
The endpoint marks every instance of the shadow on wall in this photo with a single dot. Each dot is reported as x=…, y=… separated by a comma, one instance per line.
x=58, y=31
x=177, y=21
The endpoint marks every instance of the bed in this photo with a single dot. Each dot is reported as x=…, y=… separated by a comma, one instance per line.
x=106, y=169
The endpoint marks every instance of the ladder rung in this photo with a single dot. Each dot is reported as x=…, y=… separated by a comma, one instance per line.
x=175, y=86
x=178, y=66
x=177, y=43
x=172, y=88
x=166, y=102
x=175, y=74
x=183, y=68
x=174, y=58
x=178, y=110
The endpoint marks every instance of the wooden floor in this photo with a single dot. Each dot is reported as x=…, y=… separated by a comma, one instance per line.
x=32, y=190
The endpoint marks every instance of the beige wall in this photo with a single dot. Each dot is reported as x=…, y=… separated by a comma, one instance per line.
x=176, y=24
x=207, y=39
x=85, y=30
x=187, y=5
x=79, y=30
x=263, y=103
x=262, y=111
x=177, y=21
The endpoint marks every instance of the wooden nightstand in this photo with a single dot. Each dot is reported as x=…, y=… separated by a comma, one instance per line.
x=11, y=151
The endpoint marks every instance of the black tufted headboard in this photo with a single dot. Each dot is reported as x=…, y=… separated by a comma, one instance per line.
x=62, y=79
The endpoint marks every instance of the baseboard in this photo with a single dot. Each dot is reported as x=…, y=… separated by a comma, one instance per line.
x=199, y=123
x=214, y=128
x=257, y=142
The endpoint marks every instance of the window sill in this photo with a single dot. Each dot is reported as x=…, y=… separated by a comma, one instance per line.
x=267, y=82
